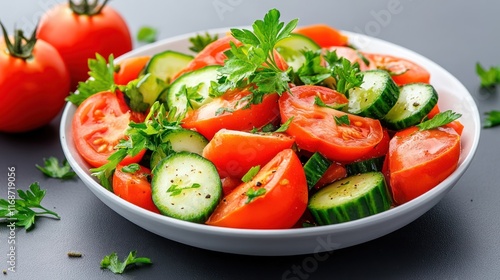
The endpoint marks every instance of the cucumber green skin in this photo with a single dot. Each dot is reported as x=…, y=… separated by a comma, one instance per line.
x=372, y=202
x=384, y=103
x=394, y=121
x=159, y=188
x=314, y=168
x=364, y=166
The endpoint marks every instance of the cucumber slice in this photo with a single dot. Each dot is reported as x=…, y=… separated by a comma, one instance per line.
x=414, y=103
x=364, y=166
x=186, y=186
x=351, y=198
x=314, y=168
x=151, y=87
x=375, y=97
x=200, y=80
x=290, y=49
x=166, y=64
x=179, y=140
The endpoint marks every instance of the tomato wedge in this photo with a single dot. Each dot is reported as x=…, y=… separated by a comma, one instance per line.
x=208, y=119
x=403, y=71
x=429, y=155
x=212, y=54
x=98, y=125
x=134, y=187
x=130, y=69
x=325, y=36
x=315, y=128
x=235, y=152
x=280, y=205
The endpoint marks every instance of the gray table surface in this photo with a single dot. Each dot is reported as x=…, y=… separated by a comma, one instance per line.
x=457, y=239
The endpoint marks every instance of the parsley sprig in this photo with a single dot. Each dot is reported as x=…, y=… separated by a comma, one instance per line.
x=53, y=169
x=139, y=136
x=489, y=77
x=439, y=119
x=24, y=213
x=200, y=41
x=254, y=63
x=116, y=266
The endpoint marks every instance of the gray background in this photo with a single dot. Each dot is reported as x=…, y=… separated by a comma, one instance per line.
x=457, y=239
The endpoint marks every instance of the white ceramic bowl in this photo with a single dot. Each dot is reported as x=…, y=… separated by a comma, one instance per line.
x=452, y=95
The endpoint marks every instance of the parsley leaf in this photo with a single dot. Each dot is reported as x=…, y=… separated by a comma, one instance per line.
x=250, y=174
x=321, y=103
x=116, y=266
x=147, y=34
x=54, y=170
x=492, y=119
x=342, y=120
x=312, y=72
x=253, y=193
x=23, y=212
x=102, y=79
x=347, y=75
x=254, y=62
x=199, y=42
x=490, y=77
x=439, y=119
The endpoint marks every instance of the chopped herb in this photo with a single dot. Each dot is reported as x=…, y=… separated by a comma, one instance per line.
x=191, y=94
x=102, y=79
x=253, y=193
x=284, y=126
x=199, y=42
x=116, y=266
x=492, y=119
x=223, y=110
x=23, y=212
x=147, y=34
x=490, y=77
x=347, y=75
x=250, y=174
x=131, y=168
x=176, y=189
x=320, y=103
x=312, y=72
x=52, y=169
x=254, y=62
x=342, y=120
x=438, y=120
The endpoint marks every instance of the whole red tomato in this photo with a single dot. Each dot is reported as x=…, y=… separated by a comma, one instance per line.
x=79, y=31
x=33, y=83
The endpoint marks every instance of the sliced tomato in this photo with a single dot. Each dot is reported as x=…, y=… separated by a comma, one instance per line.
x=98, y=125
x=134, y=187
x=235, y=152
x=325, y=36
x=315, y=128
x=212, y=54
x=280, y=205
x=381, y=148
x=130, y=69
x=456, y=125
x=335, y=172
x=365, y=63
x=403, y=71
x=229, y=184
x=429, y=155
x=228, y=111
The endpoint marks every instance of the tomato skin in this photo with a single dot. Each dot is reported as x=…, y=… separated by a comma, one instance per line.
x=134, y=187
x=27, y=100
x=80, y=37
x=354, y=56
x=280, y=207
x=429, y=155
x=325, y=36
x=234, y=152
x=206, y=121
x=412, y=72
x=315, y=130
x=130, y=69
x=98, y=125
x=335, y=171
